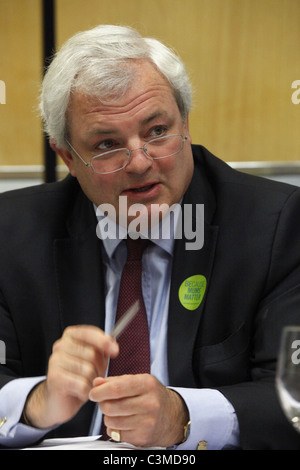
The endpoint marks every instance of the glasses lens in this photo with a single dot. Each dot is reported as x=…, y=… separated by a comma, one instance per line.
x=110, y=161
x=163, y=147
x=116, y=160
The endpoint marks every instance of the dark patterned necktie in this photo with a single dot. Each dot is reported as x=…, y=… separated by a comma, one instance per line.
x=134, y=345
x=134, y=356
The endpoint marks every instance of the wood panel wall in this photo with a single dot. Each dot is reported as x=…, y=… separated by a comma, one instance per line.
x=242, y=56
x=20, y=69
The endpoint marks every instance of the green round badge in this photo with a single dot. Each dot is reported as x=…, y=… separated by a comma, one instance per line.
x=191, y=291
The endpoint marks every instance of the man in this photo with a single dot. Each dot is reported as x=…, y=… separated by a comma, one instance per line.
x=211, y=381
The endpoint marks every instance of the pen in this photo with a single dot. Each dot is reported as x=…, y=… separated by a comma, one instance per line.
x=124, y=321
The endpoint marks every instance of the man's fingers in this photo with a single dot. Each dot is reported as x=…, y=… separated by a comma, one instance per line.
x=76, y=365
x=84, y=347
x=92, y=336
x=119, y=387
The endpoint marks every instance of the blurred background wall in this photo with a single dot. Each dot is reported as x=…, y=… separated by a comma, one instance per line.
x=243, y=57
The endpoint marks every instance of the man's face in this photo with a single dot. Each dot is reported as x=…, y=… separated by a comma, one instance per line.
x=148, y=110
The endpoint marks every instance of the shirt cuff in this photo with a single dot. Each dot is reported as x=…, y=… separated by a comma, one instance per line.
x=214, y=423
x=12, y=399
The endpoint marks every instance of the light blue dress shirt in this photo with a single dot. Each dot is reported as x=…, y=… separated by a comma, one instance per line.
x=212, y=417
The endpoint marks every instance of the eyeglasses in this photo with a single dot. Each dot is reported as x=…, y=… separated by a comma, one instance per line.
x=118, y=159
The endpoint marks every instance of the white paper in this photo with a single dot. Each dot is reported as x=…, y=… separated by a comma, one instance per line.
x=85, y=443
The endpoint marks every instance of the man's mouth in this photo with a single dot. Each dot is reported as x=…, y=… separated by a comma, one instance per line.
x=142, y=188
x=143, y=191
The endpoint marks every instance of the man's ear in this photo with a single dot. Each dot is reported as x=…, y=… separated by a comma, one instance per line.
x=65, y=155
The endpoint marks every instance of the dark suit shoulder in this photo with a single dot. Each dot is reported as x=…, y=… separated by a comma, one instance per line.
x=62, y=188
x=256, y=214
x=40, y=207
x=231, y=184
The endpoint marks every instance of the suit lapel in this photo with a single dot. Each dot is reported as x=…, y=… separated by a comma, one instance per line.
x=183, y=323
x=80, y=281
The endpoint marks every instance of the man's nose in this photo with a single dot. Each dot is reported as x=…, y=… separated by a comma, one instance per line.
x=139, y=161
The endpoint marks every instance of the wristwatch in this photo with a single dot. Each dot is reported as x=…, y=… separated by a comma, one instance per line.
x=186, y=431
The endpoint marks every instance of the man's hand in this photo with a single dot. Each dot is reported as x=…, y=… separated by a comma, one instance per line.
x=145, y=412
x=79, y=356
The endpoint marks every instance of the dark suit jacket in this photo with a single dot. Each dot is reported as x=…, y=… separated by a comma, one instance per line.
x=51, y=276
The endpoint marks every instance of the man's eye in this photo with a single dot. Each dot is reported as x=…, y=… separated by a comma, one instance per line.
x=158, y=131
x=106, y=145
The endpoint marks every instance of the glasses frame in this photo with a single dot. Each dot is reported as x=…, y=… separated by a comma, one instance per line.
x=129, y=152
